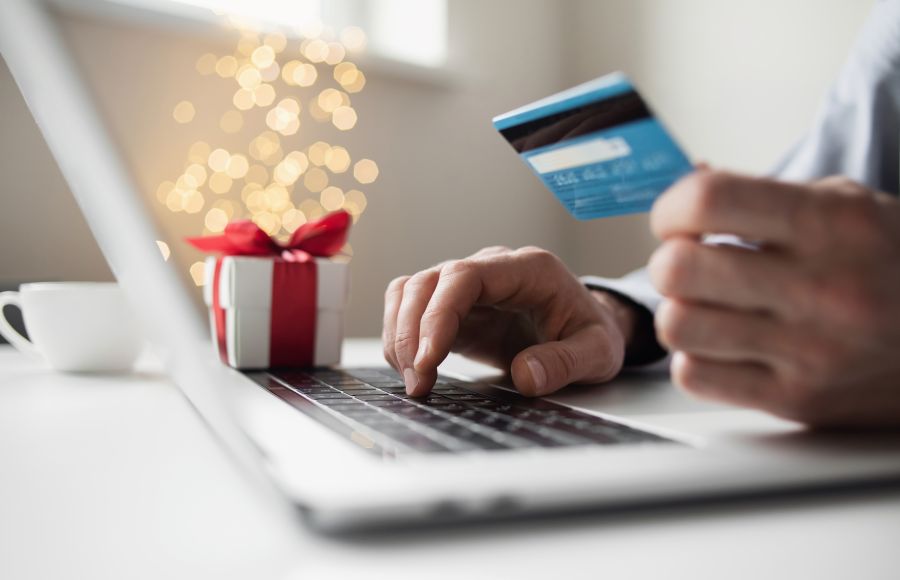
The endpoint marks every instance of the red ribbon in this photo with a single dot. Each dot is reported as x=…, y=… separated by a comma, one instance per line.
x=294, y=280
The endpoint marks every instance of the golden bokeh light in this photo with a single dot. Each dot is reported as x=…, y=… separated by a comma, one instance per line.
x=344, y=118
x=184, y=112
x=315, y=50
x=276, y=40
x=292, y=219
x=231, y=122
x=263, y=56
x=276, y=197
x=243, y=99
x=304, y=75
x=195, y=175
x=198, y=273
x=365, y=171
x=354, y=82
x=270, y=73
x=355, y=202
x=318, y=153
x=353, y=38
x=218, y=160
x=248, y=43
x=226, y=66
x=237, y=166
x=331, y=198
x=264, y=95
x=164, y=250
x=336, y=53
x=199, y=152
x=315, y=180
x=290, y=168
x=216, y=219
x=206, y=64
x=317, y=113
x=220, y=183
x=329, y=100
x=311, y=208
x=337, y=159
x=227, y=206
x=248, y=77
x=193, y=201
x=284, y=118
x=265, y=145
x=268, y=221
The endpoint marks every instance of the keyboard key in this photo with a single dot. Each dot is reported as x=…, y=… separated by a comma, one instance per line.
x=376, y=397
x=331, y=394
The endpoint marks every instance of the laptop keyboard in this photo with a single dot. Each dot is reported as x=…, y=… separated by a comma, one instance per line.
x=372, y=407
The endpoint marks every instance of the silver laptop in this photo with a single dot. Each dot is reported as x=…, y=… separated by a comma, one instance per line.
x=346, y=445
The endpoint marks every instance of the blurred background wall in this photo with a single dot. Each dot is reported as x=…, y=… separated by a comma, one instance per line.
x=736, y=82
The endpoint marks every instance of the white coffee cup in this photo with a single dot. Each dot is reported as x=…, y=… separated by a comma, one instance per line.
x=75, y=326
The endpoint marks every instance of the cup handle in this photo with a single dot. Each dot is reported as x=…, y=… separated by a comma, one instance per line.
x=7, y=330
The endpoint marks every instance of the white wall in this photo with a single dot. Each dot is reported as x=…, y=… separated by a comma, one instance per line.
x=736, y=81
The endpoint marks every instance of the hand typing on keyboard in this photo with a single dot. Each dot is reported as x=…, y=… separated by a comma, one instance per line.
x=520, y=310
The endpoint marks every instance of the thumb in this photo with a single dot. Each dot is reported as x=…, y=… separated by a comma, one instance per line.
x=593, y=354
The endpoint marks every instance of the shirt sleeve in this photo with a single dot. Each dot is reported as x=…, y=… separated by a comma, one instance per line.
x=856, y=131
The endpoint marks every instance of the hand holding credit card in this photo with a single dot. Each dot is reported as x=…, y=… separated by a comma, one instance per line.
x=597, y=147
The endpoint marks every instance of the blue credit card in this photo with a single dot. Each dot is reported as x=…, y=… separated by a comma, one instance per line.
x=597, y=147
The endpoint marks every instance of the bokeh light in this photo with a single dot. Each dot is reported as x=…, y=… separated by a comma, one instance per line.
x=344, y=118
x=274, y=84
x=365, y=171
x=184, y=112
x=353, y=38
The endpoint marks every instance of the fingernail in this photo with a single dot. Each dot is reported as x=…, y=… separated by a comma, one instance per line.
x=538, y=374
x=411, y=380
x=424, y=345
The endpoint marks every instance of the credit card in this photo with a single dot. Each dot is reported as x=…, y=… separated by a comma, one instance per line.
x=597, y=147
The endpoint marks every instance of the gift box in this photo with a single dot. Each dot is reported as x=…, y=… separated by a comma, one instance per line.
x=277, y=313
x=275, y=304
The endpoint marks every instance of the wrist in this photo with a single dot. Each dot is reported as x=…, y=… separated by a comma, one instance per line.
x=623, y=314
x=635, y=323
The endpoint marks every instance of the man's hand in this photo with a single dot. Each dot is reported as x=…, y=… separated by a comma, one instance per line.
x=519, y=310
x=808, y=327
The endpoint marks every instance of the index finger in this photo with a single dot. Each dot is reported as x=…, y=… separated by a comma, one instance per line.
x=517, y=279
x=716, y=202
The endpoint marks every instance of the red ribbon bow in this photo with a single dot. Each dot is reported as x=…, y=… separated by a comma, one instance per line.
x=323, y=237
x=294, y=281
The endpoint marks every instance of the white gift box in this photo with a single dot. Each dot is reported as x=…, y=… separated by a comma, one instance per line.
x=246, y=297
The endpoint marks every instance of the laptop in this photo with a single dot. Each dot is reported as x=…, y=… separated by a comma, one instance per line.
x=346, y=447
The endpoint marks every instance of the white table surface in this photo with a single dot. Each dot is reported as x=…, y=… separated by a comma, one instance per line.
x=115, y=477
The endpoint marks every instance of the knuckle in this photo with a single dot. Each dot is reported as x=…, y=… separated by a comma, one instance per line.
x=396, y=285
x=498, y=249
x=458, y=268
x=672, y=324
x=706, y=188
x=671, y=266
x=686, y=374
x=420, y=280
x=539, y=255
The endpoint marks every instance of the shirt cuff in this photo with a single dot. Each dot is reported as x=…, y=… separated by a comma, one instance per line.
x=636, y=290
